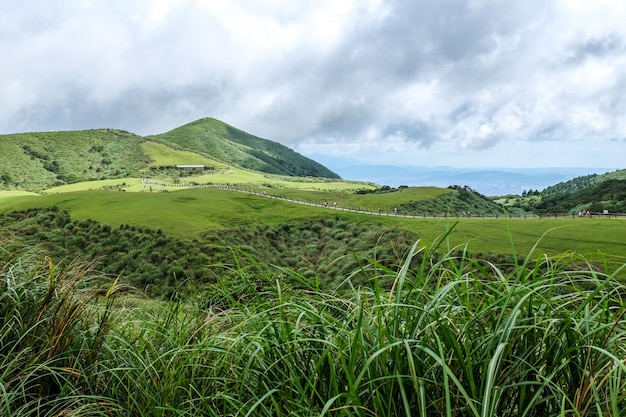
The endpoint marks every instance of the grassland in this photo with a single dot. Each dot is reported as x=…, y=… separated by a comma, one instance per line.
x=16, y=193
x=188, y=213
x=223, y=175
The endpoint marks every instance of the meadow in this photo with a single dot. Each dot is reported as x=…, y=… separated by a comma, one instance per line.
x=187, y=213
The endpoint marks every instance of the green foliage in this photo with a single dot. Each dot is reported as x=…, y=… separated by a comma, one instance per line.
x=580, y=183
x=41, y=160
x=51, y=333
x=325, y=248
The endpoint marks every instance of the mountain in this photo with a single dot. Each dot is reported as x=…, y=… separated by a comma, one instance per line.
x=487, y=181
x=39, y=160
x=233, y=146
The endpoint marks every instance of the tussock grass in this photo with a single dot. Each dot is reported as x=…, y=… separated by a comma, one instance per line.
x=51, y=335
x=452, y=335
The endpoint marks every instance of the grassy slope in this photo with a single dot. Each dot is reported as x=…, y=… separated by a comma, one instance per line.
x=40, y=160
x=226, y=143
x=161, y=154
x=251, y=180
x=188, y=213
x=596, y=196
x=386, y=201
x=583, y=182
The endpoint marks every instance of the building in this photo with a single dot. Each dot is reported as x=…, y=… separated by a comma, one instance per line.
x=190, y=167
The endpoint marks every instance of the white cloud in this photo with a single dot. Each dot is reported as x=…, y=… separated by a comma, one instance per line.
x=399, y=79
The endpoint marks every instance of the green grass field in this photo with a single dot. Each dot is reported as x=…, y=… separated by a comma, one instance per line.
x=277, y=307
x=188, y=212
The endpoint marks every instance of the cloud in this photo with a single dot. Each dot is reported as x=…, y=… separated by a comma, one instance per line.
x=402, y=76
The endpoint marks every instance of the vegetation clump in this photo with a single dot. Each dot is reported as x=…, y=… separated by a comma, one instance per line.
x=323, y=249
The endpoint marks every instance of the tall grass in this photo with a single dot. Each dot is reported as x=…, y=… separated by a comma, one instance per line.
x=50, y=334
x=452, y=336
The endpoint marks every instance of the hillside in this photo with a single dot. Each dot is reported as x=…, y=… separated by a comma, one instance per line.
x=586, y=181
x=609, y=194
x=35, y=161
x=40, y=160
x=233, y=146
x=595, y=193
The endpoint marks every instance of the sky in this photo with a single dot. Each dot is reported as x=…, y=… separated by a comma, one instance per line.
x=461, y=83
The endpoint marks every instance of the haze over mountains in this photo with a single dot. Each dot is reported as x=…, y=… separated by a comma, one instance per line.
x=490, y=182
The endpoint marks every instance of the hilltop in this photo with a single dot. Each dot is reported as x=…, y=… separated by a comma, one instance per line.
x=228, y=144
x=40, y=160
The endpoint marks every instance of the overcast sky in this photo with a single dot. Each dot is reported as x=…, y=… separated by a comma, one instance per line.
x=473, y=83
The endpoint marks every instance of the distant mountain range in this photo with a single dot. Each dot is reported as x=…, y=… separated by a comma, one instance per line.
x=490, y=182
